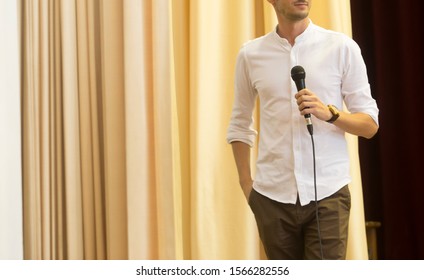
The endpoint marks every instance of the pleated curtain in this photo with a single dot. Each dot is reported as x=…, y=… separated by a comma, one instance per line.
x=125, y=106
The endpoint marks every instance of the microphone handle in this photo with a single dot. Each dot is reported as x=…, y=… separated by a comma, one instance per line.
x=300, y=84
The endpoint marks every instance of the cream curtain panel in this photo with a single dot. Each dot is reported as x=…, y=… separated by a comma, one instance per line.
x=125, y=106
x=11, y=243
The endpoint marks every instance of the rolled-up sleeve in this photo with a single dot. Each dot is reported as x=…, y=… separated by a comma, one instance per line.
x=241, y=123
x=355, y=88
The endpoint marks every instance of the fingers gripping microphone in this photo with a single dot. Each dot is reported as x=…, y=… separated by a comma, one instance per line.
x=298, y=76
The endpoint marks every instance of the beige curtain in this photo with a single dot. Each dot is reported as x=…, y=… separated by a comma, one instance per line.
x=125, y=110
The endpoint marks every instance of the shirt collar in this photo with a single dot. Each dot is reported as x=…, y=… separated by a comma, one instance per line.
x=299, y=38
x=305, y=33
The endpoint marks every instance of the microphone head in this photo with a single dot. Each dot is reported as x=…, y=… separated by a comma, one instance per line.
x=298, y=73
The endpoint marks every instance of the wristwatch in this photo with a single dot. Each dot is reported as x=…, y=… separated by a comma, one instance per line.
x=335, y=112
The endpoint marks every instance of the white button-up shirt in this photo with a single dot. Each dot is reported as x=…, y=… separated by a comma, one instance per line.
x=335, y=72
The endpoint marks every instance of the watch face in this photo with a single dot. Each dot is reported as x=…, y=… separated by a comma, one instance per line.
x=333, y=109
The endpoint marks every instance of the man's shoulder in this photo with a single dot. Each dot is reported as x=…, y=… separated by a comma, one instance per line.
x=258, y=43
x=332, y=36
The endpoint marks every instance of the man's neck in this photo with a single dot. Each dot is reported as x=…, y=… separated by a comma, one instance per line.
x=289, y=30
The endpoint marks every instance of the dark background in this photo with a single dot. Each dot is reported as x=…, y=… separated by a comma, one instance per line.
x=390, y=34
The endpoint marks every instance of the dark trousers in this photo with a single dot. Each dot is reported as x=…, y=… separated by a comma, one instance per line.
x=290, y=231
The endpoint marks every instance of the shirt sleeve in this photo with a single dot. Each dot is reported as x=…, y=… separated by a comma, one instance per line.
x=356, y=89
x=241, y=123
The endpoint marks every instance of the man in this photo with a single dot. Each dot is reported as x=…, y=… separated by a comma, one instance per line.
x=293, y=224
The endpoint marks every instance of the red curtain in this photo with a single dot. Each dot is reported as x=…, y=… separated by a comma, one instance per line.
x=390, y=34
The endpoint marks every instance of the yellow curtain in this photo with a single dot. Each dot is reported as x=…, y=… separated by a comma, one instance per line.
x=125, y=110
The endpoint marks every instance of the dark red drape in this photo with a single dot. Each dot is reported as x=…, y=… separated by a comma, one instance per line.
x=390, y=34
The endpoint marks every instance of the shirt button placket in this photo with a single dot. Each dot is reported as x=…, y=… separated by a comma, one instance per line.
x=295, y=127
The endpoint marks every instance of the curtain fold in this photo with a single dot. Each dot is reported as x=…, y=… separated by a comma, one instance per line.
x=88, y=47
x=141, y=165
x=215, y=38
x=125, y=111
x=113, y=116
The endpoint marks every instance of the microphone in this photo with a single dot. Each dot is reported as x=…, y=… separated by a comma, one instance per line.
x=298, y=76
